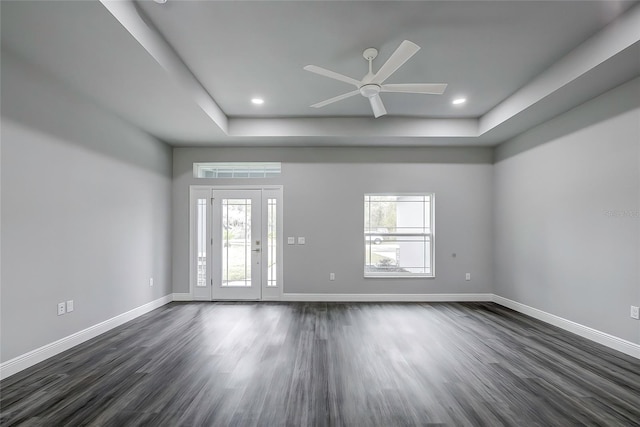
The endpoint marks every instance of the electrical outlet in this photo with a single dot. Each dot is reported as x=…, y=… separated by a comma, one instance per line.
x=332, y=276
x=150, y=281
x=61, y=308
x=69, y=306
x=291, y=240
x=467, y=276
x=301, y=240
x=635, y=312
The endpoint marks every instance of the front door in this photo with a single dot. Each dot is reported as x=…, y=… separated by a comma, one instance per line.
x=236, y=250
x=237, y=244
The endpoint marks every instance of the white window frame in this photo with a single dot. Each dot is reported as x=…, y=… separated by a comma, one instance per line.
x=431, y=234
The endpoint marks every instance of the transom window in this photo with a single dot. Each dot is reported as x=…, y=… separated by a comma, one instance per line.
x=398, y=235
x=237, y=169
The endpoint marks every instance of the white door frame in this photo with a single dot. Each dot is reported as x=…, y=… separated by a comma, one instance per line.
x=269, y=293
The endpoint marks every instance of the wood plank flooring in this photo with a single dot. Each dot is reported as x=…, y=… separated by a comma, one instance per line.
x=329, y=364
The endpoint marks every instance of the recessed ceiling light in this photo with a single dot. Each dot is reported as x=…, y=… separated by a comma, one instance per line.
x=459, y=101
x=257, y=101
x=160, y=1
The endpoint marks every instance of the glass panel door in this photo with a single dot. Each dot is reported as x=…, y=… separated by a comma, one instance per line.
x=237, y=244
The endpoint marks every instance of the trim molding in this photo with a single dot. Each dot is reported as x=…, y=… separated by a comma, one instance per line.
x=306, y=297
x=387, y=297
x=611, y=341
x=33, y=357
x=183, y=297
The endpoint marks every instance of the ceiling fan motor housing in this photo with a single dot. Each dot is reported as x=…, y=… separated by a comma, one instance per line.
x=369, y=90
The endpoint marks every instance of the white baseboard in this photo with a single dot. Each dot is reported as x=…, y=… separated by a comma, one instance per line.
x=183, y=297
x=386, y=297
x=33, y=357
x=603, y=338
x=307, y=297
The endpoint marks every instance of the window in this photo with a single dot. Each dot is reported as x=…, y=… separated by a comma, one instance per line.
x=398, y=235
x=237, y=170
x=272, y=241
x=201, y=232
x=236, y=242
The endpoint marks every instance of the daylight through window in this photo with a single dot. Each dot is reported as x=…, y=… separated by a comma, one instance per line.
x=398, y=235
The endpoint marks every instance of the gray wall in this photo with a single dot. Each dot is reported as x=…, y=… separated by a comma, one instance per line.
x=86, y=202
x=323, y=201
x=567, y=225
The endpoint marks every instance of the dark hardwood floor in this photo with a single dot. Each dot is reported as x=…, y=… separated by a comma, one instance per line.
x=329, y=364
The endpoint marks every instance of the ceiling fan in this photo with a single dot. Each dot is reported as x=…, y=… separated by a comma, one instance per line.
x=372, y=84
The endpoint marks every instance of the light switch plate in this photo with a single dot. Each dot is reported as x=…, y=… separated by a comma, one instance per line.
x=301, y=240
x=291, y=240
x=69, y=306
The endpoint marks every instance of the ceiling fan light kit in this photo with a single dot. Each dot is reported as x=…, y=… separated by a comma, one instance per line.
x=372, y=84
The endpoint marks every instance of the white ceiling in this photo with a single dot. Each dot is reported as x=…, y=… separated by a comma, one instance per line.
x=518, y=63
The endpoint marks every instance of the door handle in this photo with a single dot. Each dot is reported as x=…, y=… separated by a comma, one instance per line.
x=256, y=250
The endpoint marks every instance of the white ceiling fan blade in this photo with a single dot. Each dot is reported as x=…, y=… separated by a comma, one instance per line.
x=332, y=75
x=426, y=88
x=335, y=99
x=377, y=106
x=402, y=54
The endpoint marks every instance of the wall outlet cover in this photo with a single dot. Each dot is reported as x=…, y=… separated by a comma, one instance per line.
x=302, y=240
x=635, y=312
x=291, y=240
x=61, y=308
x=150, y=281
x=467, y=276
